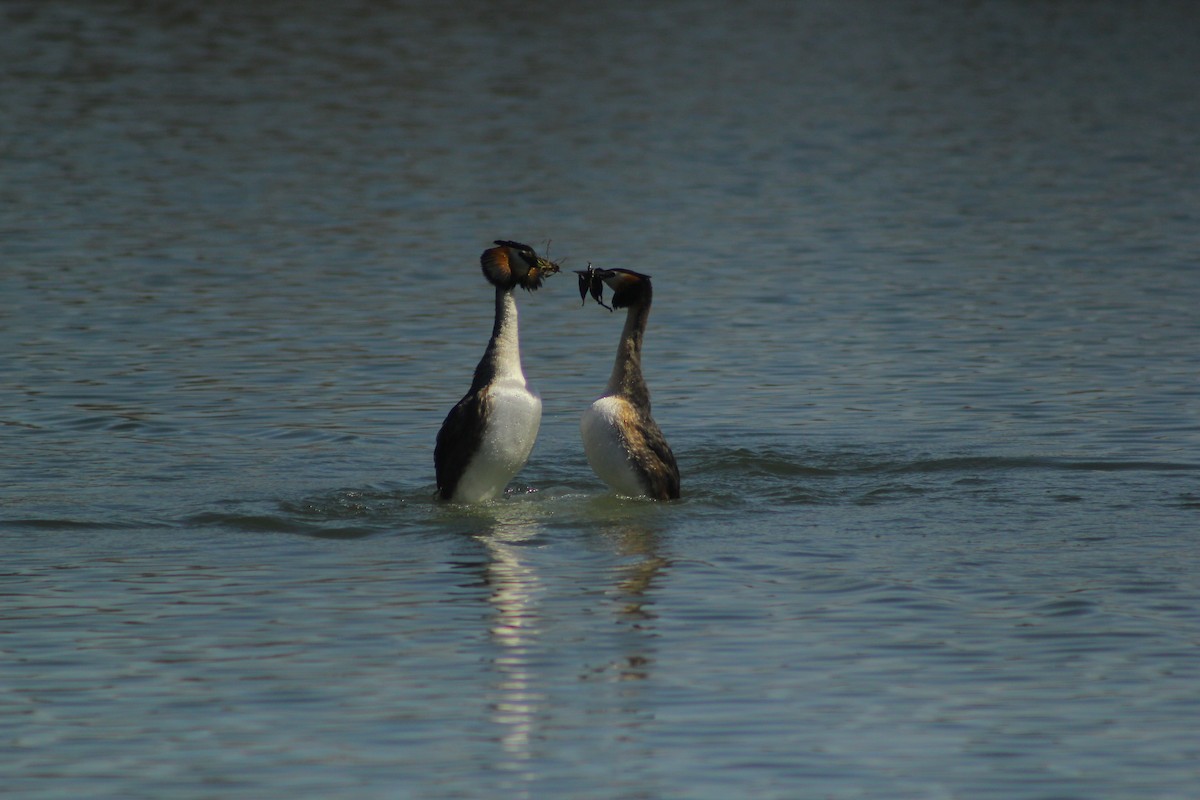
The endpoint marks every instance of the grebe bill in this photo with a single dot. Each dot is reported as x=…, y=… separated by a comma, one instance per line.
x=623, y=443
x=488, y=435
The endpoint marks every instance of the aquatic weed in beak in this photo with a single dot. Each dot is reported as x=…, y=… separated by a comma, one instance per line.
x=591, y=280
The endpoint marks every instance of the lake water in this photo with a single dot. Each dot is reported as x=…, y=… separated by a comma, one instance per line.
x=925, y=342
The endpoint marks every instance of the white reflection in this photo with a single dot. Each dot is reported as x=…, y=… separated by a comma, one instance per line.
x=516, y=630
x=520, y=706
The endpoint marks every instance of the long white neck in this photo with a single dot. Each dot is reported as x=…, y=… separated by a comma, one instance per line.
x=502, y=359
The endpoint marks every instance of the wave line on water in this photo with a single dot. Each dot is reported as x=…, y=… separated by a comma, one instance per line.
x=780, y=462
x=804, y=476
x=1038, y=462
x=63, y=524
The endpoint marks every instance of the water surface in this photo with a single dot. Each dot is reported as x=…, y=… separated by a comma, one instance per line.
x=924, y=341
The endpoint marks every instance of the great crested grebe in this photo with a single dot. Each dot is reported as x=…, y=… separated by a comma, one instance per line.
x=487, y=436
x=623, y=443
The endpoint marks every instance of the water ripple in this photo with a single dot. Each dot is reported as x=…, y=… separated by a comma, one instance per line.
x=809, y=476
x=772, y=461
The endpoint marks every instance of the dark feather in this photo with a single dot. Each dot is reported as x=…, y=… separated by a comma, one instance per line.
x=630, y=288
x=513, y=245
x=662, y=478
x=459, y=439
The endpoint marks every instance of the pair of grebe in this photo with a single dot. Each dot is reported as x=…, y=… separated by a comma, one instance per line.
x=488, y=435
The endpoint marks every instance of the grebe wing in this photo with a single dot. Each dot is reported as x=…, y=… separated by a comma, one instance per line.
x=663, y=476
x=459, y=440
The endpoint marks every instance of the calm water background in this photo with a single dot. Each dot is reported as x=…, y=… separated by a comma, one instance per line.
x=925, y=342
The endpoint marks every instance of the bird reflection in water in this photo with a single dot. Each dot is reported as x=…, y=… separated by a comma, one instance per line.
x=633, y=592
x=516, y=629
x=521, y=708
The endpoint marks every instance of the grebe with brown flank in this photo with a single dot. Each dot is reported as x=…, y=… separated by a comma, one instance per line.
x=487, y=437
x=623, y=443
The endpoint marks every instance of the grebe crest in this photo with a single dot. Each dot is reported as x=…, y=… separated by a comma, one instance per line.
x=511, y=264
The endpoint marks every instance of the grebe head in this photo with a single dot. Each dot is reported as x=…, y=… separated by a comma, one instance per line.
x=512, y=264
x=629, y=287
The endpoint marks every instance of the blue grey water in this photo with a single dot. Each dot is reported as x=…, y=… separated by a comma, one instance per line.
x=925, y=341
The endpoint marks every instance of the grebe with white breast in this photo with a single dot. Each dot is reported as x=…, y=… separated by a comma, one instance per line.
x=488, y=435
x=622, y=441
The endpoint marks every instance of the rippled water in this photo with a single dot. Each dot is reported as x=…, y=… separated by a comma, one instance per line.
x=925, y=342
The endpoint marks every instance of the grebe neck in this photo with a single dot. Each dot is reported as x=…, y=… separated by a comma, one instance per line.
x=502, y=359
x=626, y=379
